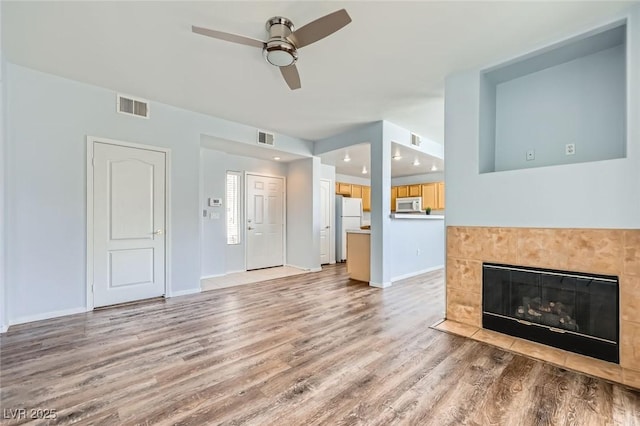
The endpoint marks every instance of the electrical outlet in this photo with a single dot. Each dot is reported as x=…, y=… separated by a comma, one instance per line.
x=531, y=155
x=570, y=149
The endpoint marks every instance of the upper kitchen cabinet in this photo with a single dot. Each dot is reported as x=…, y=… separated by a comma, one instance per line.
x=403, y=191
x=394, y=195
x=414, y=190
x=356, y=191
x=343, y=188
x=366, y=198
x=440, y=192
x=430, y=195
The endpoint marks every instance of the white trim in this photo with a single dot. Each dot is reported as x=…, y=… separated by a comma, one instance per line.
x=284, y=214
x=212, y=276
x=380, y=285
x=302, y=268
x=47, y=315
x=91, y=141
x=185, y=292
x=413, y=274
x=3, y=329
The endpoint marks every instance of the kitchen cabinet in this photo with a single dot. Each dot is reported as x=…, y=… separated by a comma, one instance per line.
x=414, y=190
x=358, y=255
x=440, y=195
x=366, y=198
x=403, y=191
x=356, y=191
x=430, y=195
x=394, y=195
x=343, y=188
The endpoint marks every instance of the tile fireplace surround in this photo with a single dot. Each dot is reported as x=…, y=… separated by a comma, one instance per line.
x=596, y=251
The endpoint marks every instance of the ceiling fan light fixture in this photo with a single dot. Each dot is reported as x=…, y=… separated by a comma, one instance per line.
x=280, y=54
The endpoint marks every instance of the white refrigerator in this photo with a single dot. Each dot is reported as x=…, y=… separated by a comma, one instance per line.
x=348, y=216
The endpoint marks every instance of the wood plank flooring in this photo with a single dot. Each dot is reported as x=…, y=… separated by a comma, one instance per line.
x=310, y=349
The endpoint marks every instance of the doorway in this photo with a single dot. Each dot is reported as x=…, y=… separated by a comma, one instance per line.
x=265, y=221
x=126, y=222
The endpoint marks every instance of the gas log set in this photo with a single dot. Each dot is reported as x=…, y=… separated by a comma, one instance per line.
x=553, y=314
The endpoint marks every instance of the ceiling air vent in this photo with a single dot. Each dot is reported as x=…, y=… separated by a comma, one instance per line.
x=415, y=139
x=133, y=106
x=265, y=138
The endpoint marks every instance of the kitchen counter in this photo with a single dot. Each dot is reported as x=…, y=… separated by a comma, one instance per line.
x=359, y=254
x=417, y=216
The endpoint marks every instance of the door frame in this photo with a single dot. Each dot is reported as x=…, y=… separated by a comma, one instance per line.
x=284, y=214
x=91, y=141
x=332, y=217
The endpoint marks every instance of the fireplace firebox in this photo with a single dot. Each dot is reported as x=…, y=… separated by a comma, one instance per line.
x=568, y=310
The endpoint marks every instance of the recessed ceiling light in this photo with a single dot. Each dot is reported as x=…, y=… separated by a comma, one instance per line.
x=416, y=162
x=276, y=158
x=434, y=168
x=397, y=157
x=346, y=158
x=364, y=170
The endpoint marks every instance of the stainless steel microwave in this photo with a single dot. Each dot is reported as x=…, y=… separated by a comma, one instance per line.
x=408, y=205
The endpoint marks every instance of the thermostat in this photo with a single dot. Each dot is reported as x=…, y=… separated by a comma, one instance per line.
x=215, y=202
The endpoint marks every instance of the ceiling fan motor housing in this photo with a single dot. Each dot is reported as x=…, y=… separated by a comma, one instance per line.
x=279, y=50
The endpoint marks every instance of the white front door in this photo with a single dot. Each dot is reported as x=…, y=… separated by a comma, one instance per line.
x=325, y=221
x=128, y=224
x=265, y=221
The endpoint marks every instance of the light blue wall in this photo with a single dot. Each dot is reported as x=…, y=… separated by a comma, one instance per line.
x=416, y=246
x=303, y=213
x=48, y=119
x=602, y=194
x=580, y=102
x=219, y=258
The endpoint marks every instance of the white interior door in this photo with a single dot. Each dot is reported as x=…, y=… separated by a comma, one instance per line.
x=128, y=224
x=265, y=221
x=325, y=221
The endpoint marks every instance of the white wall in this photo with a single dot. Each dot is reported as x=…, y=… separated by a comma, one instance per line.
x=217, y=257
x=601, y=194
x=413, y=179
x=353, y=179
x=303, y=214
x=417, y=246
x=48, y=119
x=581, y=101
x=3, y=310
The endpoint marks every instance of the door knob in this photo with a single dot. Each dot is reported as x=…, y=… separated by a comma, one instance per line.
x=327, y=227
x=249, y=228
x=157, y=232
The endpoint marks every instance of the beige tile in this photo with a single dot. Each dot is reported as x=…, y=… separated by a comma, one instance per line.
x=464, y=307
x=539, y=351
x=631, y=378
x=464, y=242
x=499, y=245
x=494, y=338
x=464, y=274
x=632, y=252
x=630, y=298
x=594, y=367
x=630, y=345
x=456, y=328
x=580, y=250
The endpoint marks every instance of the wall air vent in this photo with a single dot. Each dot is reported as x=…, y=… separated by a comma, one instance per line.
x=132, y=106
x=265, y=138
x=415, y=140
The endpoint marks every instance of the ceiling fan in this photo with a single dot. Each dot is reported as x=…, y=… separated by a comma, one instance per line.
x=281, y=50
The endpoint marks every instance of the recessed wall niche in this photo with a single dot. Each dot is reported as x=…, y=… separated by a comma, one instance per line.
x=560, y=105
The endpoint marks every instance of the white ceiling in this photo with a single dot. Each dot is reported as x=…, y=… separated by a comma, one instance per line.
x=402, y=165
x=389, y=63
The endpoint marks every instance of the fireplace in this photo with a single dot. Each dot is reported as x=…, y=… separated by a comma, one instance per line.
x=568, y=310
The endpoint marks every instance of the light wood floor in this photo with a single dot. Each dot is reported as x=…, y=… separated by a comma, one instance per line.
x=310, y=349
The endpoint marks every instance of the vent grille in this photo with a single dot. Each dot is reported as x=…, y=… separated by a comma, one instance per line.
x=133, y=106
x=265, y=138
x=415, y=139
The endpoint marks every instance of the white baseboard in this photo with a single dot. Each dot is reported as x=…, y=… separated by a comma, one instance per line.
x=212, y=276
x=318, y=269
x=413, y=274
x=184, y=292
x=47, y=315
x=303, y=268
x=380, y=285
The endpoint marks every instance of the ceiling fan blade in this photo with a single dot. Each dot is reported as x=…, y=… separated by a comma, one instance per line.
x=228, y=37
x=291, y=76
x=320, y=28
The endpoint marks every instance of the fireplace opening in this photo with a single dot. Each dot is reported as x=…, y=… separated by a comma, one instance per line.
x=568, y=310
